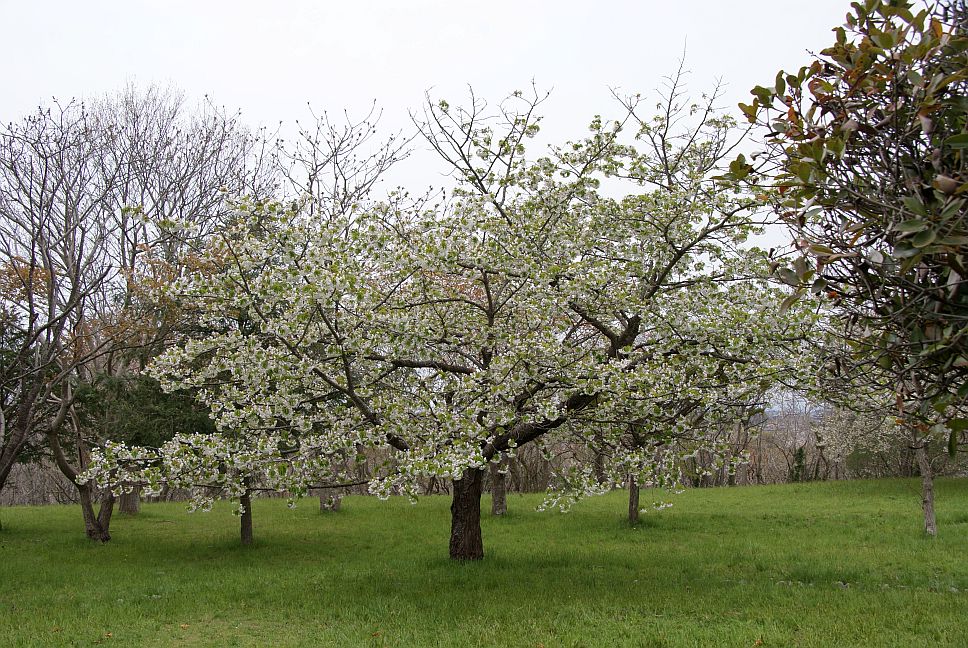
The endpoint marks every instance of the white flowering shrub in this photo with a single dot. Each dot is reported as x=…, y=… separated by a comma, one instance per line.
x=600, y=294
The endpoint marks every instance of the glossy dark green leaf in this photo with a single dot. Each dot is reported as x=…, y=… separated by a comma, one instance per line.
x=957, y=141
x=914, y=204
x=904, y=250
x=908, y=226
x=921, y=239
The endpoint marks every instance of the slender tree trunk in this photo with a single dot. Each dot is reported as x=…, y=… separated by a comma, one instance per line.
x=466, y=542
x=246, y=502
x=499, y=488
x=633, y=500
x=130, y=503
x=96, y=525
x=598, y=465
x=759, y=461
x=10, y=452
x=927, y=492
x=330, y=501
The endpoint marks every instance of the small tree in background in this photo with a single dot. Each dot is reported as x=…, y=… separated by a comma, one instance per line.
x=133, y=409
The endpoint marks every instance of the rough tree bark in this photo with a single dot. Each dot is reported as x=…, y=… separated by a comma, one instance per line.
x=499, y=487
x=130, y=503
x=246, y=522
x=927, y=491
x=633, y=500
x=466, y=542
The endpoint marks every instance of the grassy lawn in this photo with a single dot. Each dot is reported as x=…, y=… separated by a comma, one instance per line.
x=834, y=564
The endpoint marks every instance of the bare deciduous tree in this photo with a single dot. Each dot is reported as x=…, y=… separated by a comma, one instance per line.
x=89, y=196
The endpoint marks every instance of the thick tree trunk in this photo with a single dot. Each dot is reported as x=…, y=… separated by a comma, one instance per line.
x=927, y=492
x=106, y=511
x=633, y=500
x=246, y=523
x=466, y=542
x=130, y=503
x=499, y=488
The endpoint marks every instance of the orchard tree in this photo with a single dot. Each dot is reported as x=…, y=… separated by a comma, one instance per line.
x=869, y=142
x=537, y=302
x=132, y=408
x=331, y=169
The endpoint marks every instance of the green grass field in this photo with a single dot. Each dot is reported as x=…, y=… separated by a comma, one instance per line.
x=830, y=564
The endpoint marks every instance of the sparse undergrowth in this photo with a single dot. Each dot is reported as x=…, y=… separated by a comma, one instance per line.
x=826, y=564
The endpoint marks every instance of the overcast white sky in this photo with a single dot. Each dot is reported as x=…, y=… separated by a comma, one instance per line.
x=270, y=58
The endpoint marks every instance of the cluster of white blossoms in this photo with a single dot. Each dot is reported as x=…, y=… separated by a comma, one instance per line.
x=533, y=305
